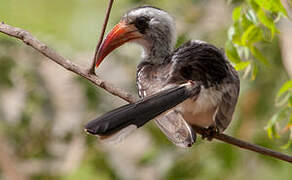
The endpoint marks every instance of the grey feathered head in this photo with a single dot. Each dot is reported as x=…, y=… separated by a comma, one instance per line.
x=148, y=26
x=154, y=23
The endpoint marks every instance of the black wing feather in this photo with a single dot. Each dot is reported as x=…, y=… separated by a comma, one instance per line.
x=140, y=112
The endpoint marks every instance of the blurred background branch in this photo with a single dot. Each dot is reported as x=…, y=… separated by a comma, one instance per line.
x=9, y=162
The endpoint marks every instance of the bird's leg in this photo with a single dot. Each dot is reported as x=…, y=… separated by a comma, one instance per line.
x=210, y=132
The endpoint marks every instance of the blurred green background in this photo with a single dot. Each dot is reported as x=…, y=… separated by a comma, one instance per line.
x=43, y=107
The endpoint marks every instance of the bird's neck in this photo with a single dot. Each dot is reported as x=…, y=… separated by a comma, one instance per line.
x=156, y=52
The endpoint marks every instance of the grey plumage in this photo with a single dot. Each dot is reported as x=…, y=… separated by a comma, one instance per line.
x=162, y=68
x=202, y=63
x=196, y=61
x=159, y=37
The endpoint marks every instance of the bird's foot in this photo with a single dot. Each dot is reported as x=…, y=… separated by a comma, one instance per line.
x=191, y=82
x=209, y=133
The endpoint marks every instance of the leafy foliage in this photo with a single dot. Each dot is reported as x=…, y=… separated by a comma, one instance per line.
x=254, y=23
x=284, y=101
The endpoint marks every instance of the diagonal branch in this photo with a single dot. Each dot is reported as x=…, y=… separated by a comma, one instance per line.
x=253, y=147
x=92, y=68
x=246, y=145
x=28, y=39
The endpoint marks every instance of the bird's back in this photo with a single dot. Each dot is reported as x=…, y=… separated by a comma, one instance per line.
x=204, y=63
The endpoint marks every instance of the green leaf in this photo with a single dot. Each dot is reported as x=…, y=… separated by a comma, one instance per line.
x=251, y=35
x=255, y=71
x=285, y=87
x=271, y=129
x=283, y=100
x=245, y=22
x=231, y=52
x=242, y=65
x=252, y=16
x=236, y=13
x=253, y=4
x=272, y=132
x=272, y=5
x=235, y=32
x=258, y=55
x=245, y=52
x=288, y=144
x=267, y=21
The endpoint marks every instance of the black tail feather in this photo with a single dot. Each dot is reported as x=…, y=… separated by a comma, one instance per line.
x=142, y=111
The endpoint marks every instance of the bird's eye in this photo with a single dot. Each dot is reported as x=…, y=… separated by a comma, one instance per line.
x=141, y=24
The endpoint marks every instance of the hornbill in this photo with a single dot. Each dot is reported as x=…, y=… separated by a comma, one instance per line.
x=194, y=85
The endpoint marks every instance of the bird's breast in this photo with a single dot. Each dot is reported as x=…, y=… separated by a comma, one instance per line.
x=201, y=111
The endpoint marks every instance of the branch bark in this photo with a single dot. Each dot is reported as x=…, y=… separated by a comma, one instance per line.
x=28, y=39
x=246, y=145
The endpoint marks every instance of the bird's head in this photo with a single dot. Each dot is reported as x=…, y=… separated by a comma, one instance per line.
x=148, y=26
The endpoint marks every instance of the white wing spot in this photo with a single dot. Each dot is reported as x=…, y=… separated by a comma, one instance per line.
x=120, y=135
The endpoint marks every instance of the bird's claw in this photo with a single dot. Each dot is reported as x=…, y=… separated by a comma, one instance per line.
x=191, y=82
x=209, y=133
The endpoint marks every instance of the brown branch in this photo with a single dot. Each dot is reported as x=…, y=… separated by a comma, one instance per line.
x=30, y=40
x=42, y=48
x=246, y=145
x=253, y=147
x=92, y=68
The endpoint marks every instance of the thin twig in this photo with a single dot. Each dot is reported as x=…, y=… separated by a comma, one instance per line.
x=253, y=147
x=92, y=68
x=42, y=48
x=246, y=145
